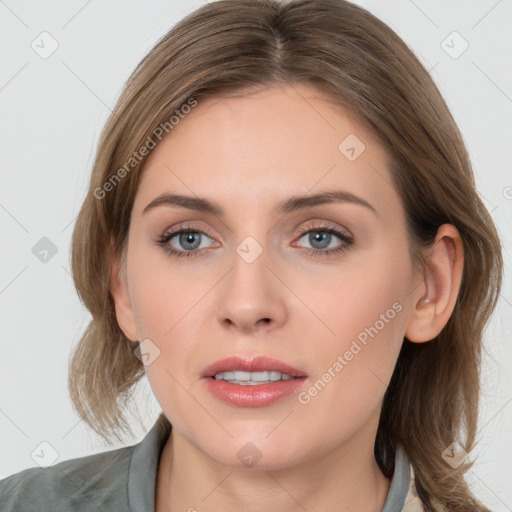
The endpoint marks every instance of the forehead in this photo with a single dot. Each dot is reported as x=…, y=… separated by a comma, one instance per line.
x=257, y=149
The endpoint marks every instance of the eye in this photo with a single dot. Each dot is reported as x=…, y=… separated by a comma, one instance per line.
x=187, y=237
x=321, y=237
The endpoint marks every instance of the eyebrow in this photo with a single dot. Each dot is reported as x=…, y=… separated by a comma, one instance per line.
x=294, y=203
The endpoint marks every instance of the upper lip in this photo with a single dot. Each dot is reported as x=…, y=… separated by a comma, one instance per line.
x=257, y=364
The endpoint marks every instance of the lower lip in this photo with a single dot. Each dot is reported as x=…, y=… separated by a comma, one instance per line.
x=259, y=395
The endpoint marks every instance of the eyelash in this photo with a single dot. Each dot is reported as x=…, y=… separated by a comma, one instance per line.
x=348, y=241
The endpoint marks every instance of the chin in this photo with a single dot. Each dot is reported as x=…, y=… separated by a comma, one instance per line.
x=255, y=455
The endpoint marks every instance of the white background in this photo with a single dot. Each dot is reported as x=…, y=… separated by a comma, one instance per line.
x=52, y=111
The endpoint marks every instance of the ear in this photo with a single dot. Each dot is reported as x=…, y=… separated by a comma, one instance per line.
x=435, y=297
x=121, y=296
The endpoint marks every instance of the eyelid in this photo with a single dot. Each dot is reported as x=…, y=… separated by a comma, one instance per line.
x=186, y=226
x=318, y=225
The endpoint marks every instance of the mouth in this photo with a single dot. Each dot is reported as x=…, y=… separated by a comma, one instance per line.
x=252, y=372
x=257, y=382
x=253, y=378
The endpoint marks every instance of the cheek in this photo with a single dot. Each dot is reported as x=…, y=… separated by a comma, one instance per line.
x=168, y=304
x=163, y=305
x=163, y=293
x=367, y=291
x=363, y=308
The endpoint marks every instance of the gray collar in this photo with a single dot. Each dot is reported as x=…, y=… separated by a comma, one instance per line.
x=399, y=487
x=144, y=465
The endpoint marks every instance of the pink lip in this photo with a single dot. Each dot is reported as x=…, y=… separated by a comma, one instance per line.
x=259, y=395
x=258, y=364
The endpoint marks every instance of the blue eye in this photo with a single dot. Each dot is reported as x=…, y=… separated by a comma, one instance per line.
x=187, y=238
x=322, y=234
x=190, y=239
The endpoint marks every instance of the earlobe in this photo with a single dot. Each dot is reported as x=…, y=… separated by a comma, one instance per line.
x=435, y=298
x=121, y=297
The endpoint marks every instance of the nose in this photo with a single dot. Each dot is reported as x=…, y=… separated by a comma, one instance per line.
x=252, y=297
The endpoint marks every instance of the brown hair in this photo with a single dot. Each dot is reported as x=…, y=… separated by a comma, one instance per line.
x=363, y=66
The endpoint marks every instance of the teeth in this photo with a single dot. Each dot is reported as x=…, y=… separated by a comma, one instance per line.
x=251, y=378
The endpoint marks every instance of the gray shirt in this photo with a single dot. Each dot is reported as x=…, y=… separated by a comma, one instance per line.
x=123, y=480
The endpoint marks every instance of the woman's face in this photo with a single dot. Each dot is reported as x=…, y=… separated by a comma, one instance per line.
x=263, y=281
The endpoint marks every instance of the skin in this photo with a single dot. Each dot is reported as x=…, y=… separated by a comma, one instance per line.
x=247, y=154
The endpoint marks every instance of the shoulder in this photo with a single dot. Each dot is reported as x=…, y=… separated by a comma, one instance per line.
x=90, y=483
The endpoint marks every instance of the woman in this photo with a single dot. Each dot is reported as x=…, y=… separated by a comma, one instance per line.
x=317, y=346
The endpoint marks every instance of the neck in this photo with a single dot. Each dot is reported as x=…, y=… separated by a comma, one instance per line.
x=346, y=478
